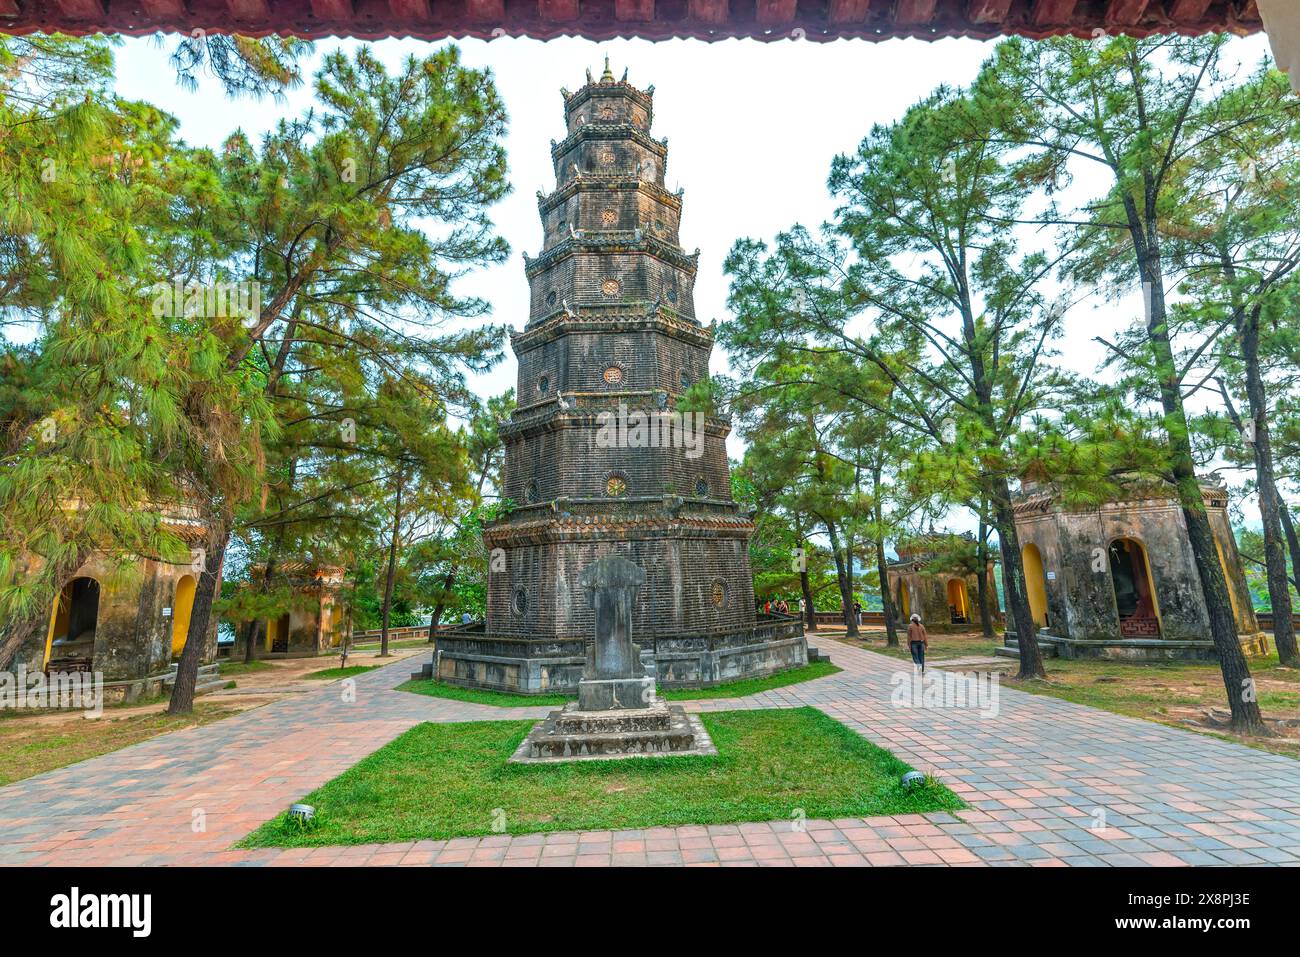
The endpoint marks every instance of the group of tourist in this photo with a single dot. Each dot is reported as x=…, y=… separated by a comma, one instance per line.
x=781, y=607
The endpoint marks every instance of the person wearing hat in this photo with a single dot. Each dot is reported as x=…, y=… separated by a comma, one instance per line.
x=917, y=641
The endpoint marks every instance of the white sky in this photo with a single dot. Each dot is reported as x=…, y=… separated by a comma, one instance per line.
x=752, y=128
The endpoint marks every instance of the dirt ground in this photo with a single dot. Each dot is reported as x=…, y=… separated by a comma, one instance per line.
x=32, y=742
x=1183, y=694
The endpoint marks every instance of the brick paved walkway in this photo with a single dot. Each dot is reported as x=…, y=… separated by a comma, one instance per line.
x=1048, y=783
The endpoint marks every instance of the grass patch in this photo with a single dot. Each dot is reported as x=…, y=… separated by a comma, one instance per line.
x=736, y=689
x=331, y=674
x=30, y=747
x=244, y=667
x=504, y=699
x=439, y=781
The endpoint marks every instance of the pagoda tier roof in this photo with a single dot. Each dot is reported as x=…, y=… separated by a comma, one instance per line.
x=548, y=201
x=606, y=241
x=650, y=19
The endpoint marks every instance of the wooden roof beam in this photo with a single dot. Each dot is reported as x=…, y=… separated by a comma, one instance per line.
x=81, y=9
x=410, y=10
x=709, y=11
x=250, y=10
x=914, y=12
x=642, y=11
x=848, y=11
x=987, y=11
x=1052, y=13
x=1125, y=13
x=774, y=13
x=332, y=9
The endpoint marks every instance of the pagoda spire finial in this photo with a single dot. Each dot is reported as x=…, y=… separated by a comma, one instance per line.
x=608, y=75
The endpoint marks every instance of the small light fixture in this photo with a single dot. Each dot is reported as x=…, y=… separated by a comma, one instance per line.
x=302, y=812
x=913, y=779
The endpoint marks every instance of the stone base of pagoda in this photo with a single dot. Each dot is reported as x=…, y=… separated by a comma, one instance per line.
x=546, y=665
x=571, y=734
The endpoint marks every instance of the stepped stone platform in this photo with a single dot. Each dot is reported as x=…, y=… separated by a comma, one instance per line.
x=572, y=734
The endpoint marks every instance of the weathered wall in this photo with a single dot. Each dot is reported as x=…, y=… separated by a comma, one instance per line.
x=133, y=636
x=1080, y=586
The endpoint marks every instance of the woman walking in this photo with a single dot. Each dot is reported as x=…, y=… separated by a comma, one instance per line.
x=917, y=641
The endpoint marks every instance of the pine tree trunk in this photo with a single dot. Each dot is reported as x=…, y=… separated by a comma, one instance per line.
x=1292, y=541
x=187, y=669
x=982, y=557
x=441, y=604
x=891, y=622
x=1237, y=682
x=810, y=613
x=392, y=566
x=1279, y=591
x=1013, y=580
x=846, y=593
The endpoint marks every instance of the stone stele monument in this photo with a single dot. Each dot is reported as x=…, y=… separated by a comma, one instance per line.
x=617, y=713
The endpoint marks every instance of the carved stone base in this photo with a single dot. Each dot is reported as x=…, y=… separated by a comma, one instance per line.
x=661, y=730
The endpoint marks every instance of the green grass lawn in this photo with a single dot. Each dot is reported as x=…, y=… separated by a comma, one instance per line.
x=330, y=674
x=502, y=699
x=439, y=781
x=735, y=689
x=243, y=667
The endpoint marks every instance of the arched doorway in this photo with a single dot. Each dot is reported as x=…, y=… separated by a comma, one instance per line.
x=182, y=606
x=277, y=634
x=70, y=645
x=1035, y=583
x=958, y=602
x=1135, y=594
x=903, y=601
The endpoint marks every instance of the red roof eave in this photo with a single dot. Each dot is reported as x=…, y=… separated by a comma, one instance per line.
x=648, y=19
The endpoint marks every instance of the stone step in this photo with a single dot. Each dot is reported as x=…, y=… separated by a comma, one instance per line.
x=1011, y=649
x=816, y=654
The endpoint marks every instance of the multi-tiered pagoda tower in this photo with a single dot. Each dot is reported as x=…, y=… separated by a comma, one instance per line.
x=611, y=345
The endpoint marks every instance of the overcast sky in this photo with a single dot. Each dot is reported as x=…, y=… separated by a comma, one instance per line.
x=752, y=128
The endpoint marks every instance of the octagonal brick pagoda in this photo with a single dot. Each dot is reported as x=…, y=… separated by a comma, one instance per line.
x=599, y=460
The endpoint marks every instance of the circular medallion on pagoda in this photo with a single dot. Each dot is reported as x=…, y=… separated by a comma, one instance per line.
x=613, y=375
x=519, y=602
x=608, y=217
x=606, y=157
x=550, y=298
x=610, y=287
x=671, y=296
x=718, y=593
x=616, y=485
x=607, y=114
x=701, y=487
x=544, y=384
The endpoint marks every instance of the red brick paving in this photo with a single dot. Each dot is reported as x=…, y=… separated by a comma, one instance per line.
x=1049, y=783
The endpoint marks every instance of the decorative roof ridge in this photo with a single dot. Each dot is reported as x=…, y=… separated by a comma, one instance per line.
x=578, y=242
x=634, y=132
x=591, y=182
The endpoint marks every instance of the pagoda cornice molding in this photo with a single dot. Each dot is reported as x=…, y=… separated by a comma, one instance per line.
x=624, y=317
x=647, y=245
x=602, y=183
x=554, y=525
x=644, y=97
x=583, y=410
x=609, y=132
